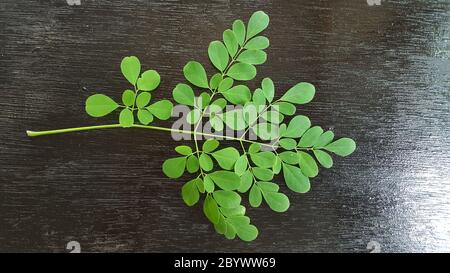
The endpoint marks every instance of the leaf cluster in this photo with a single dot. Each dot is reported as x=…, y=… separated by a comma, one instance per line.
x=224, y=174
x=135, y=102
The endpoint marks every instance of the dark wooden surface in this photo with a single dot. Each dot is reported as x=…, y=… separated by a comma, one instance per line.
x=382, y=75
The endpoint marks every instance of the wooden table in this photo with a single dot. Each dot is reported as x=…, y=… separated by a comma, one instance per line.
x=382, y=78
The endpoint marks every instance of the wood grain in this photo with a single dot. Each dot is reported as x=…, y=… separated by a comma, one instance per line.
x=382, y=75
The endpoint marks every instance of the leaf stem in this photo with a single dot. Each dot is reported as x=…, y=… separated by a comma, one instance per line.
x=248, y=163
x=136, y=91
x=107, y=126
x=256, y=120
x=68, y=130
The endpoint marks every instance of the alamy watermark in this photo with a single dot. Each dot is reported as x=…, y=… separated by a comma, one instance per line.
x=248, y=122
x=374, y=247
x=74, y=247
x=73, y=2
x=374, y=2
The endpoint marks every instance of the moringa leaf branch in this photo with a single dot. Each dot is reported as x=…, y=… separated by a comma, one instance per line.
x=222, y=175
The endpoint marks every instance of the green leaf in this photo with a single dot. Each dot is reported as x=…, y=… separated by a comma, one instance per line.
x=183, y=150
x=174, y=167
x=273, y=116
x=266, y=131
x=226, y=157
x=221, y=226
x=227, y=199
x=100, y=105
x=277, y=201
x=210, y=145
x=149, y=80
x=215, y=80
x=193, y=116
x=226, y=180
x=143, y=99
x=161, y=109
x=209, y=184
x=144, y=116
x=268, y=89
x=254, y=148
x=231, y=42
x=246, y=181
x=289, y=157
x=263, y=159
x=301, y=93
x=236, y=211
x=131, y=68
x=257, y=23
x=216, y=123
x=310, y=137
x=189, y=192
x=211, y=209
x=239, y=94
x=214, y=108
x=285, y=108
x=244, y=230
x=128, y=97
x=218, y=55
x=206, y=162
x=250, y=113
x=239, y=31
x=242, y=71
x=231, y=232
x=268, y=187
x=219, y=104
x=203, y=100
x=200, y=186
x=297, y=127
x=192, y=164
x=283, y=129
x=259, y=99
x=276, y=168
x=324, y=158
x=342, y=147
x=195, y=74
x=295, y=180
x=239, y=221
x=262, y=174
x=183, y=94
x=307, y=164
x=241, y=165
x=259, y=42
x=324, y=139
x=288, y=143
x=126, y=118
x=247, y=233
x=255, y=197
x=235, y=119
x=225, y=84
x=252, y=56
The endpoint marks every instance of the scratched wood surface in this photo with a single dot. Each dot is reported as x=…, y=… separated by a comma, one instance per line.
x=382, y=75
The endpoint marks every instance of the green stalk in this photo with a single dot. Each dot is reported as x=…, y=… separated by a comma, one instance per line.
x=68, y=130
x=107, y=126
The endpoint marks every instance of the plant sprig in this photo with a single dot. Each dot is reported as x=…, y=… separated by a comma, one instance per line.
x=136, y=100
x=221, y=175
